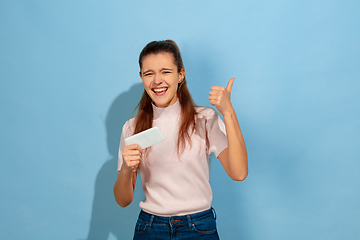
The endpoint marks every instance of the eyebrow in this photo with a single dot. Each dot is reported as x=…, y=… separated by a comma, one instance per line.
x=168, y=69
x=147, y=71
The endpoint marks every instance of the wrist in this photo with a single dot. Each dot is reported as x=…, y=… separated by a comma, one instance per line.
x=125, y=169
x=228, y=114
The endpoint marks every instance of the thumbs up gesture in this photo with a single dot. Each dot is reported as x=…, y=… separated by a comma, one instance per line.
x=220, y=97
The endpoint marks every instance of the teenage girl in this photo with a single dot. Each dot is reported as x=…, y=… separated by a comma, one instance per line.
x=175, y=172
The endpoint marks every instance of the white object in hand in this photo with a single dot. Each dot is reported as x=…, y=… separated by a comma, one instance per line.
x=146, y=138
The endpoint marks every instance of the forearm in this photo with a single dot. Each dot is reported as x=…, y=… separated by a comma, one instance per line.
x=236, y=161
x=124, y=187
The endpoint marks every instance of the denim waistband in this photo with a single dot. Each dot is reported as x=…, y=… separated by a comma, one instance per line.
x=186, y=219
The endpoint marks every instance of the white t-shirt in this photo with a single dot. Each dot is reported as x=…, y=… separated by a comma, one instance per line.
x=176, y=185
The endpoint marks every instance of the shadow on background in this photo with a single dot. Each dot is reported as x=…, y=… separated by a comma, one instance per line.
x=107, y=216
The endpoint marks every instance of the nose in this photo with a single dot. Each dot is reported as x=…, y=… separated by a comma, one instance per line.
x=158, y=79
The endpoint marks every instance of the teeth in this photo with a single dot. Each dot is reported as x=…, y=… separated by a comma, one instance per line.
x=159, y=89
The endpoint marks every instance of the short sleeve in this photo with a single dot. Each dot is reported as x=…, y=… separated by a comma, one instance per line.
x=216, y=133
x=127, y=131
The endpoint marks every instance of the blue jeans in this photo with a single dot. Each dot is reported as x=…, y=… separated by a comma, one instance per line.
x=200, y=225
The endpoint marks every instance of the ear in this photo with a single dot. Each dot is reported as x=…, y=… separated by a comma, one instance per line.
x=140, y=75
x=181, y=75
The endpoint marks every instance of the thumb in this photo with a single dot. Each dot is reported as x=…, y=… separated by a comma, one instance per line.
x=230, y=84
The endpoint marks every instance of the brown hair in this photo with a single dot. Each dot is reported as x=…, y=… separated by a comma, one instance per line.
x=144, y=118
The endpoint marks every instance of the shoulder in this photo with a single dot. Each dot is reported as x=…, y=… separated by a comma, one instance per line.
x=129, y=126
x=208, y=117
x=205, y=112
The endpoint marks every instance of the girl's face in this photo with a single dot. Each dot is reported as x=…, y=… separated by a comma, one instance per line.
x=160, y=78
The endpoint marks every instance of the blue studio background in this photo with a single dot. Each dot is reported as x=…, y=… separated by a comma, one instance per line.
x=69, y=80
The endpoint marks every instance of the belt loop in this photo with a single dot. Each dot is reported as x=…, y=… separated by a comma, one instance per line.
x=189, y=220
x=214, y=213
x=151, y=220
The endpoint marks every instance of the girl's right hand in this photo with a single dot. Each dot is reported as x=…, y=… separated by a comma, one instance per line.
x=131, y=155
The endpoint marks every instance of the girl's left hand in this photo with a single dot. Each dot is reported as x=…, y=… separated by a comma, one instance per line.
x=220, y=97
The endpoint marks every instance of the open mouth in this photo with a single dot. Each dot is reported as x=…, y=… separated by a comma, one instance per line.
x=159, y=91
